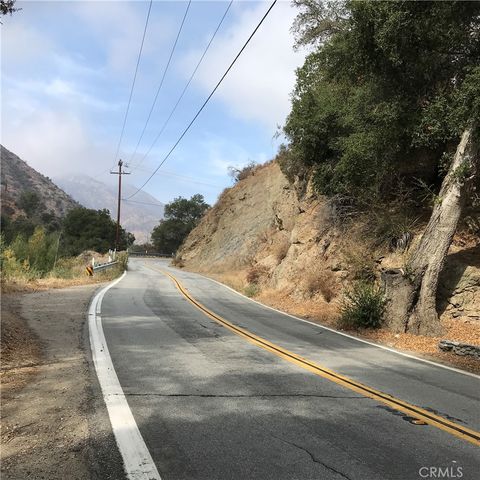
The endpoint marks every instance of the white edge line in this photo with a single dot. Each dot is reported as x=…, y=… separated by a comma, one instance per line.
x=137, y=460
x=403, y=354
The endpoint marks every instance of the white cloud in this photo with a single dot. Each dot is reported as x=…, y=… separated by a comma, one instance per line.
x=55, y=143
x=259, y=84
x=222, y=154
x=117, y=26
x=22, y=44
x=58, y=89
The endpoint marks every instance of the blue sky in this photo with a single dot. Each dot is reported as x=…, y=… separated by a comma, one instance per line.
x=67, y=68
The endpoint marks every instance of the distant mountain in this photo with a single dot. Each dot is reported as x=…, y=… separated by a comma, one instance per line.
x=139, y=216
x=27, y=193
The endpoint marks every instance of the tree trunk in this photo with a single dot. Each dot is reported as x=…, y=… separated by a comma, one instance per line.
x=411, y=294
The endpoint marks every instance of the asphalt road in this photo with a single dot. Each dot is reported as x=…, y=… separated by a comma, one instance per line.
x=212, y=405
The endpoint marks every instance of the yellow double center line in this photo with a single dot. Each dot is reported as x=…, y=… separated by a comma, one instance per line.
x=420, y=415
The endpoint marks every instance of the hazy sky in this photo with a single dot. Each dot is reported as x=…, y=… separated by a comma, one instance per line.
x=67, y=69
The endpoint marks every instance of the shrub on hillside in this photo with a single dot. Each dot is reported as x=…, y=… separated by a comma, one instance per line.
x=322, y=282
x=361, y=263
x=251, y=290
x=256, y=274
x=363, y=306
x=281, y=249
x=241, y=173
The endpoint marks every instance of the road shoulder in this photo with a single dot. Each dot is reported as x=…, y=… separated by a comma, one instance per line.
x=55, y=424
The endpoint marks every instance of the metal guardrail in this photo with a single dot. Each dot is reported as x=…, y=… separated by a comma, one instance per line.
x=143, y=254
x=103, y=266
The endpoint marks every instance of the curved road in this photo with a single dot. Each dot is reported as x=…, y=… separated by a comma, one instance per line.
x=211, y=403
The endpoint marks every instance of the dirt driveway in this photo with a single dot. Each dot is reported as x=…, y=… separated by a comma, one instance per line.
x=54, y=422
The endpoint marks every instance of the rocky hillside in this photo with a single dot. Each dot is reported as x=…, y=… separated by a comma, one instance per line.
x=264, y=238
x=26, y=192
x=138, y=216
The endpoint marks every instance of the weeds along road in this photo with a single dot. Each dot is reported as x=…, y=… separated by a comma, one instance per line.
x=220, y=387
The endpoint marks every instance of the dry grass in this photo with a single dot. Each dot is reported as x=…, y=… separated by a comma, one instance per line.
x=257, y=274
x=235, y=279
x=320, y=281
x=360, y=259
x=178, y=262
x=457, y=330
x=311, y=309
x=51, y=282
x=281, y=248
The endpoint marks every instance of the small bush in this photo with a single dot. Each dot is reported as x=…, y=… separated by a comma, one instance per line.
x=257, y=273
x=67, y=268
x=251, y=290
x=320, y=281
x=178, y=262
x=363, y=306
x=241, y=173
x=281, y=250
x=361, y=263
x=122, y=258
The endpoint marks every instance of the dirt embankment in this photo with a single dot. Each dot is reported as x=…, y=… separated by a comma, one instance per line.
x=54, y=423
x=292, y=253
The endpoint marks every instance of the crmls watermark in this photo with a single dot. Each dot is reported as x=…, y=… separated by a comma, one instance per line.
x=453, y=471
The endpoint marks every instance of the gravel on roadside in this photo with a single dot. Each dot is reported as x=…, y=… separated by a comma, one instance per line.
x=54, y=421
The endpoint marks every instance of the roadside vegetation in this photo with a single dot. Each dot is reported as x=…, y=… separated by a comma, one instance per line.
x=362, y=307
x=373, y=222
x=55, y=258
x=385, y=122
x=180, y=217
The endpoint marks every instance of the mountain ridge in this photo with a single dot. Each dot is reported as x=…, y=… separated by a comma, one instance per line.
x=138, y=217
x=25, y=192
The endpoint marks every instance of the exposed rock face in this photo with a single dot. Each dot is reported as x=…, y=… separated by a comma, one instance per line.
x=459, y=290
x=260, y=223
x=262, y=231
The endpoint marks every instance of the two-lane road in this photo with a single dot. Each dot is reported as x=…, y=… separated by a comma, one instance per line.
x=212, y=401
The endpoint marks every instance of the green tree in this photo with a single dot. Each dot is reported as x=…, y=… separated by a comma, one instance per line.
x=37, y=252
x=181, y=216
x=389, y=89
x=87, y=229
x=388, y=86
x=20, y=226
x=7, y=7
x=29, y=203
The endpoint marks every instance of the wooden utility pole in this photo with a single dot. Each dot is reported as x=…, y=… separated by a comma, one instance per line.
x=119, y=173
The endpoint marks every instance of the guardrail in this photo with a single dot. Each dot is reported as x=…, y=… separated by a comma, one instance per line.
x=103, y=266
x=143, y=254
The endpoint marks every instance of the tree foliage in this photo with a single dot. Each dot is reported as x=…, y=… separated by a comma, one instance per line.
x=181, y=216
x=87, y=229
x=7, y=7
x=29, y=202
x=33, y=256
x=387, y=89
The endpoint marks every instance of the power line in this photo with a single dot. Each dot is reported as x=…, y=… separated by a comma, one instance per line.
x=133, y=82
x=163, y=78
x=182, y=177
x=185, y=88
x=205, y=102
x=143, y=203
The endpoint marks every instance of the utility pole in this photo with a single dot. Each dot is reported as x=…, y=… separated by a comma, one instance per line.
x=119, y=173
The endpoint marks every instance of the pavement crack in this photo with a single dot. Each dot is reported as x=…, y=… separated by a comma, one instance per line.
x=213, y=395
x=316, y=460
x=311, y=455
